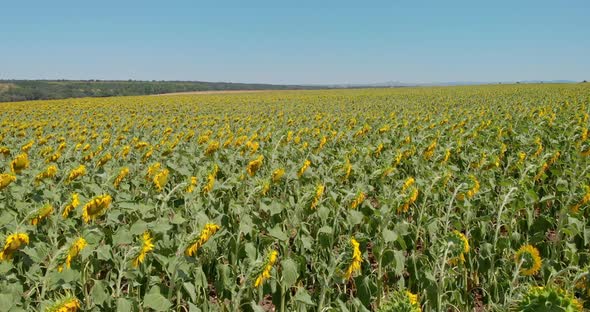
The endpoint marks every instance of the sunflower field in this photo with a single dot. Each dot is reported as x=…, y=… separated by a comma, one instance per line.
x=406, y=199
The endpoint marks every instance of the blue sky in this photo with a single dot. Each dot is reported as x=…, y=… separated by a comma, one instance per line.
x=311, y=42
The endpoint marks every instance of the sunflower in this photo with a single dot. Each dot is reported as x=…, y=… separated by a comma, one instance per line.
x=104, y=159
x=12, y=244
x=429, y=151
x=447, y=155
x=409, y=201
x=277, y=175
x=319, y=192
x=76, y=173
x=254, y=165
x=72, y=252
x=25, y=148
x=582, y=202
x=160, y=179
x=19, y=163
x=48, y=173
x=265, y=188
x=458, y=246
x=96, y=207
x=71, y=206
x=68, y=304
x=303, y=168
x=4, y=151
x=547, y=299
x=152, y=170
x=401, y=301
x=528, y=258
x=6, y=179
x=265, y=274
x=409, y=182
x=147, y=245
x=122, y=174
x=197, y=242
x=355, y=261
x=359, y=199
x=192, y=185
x=41, y=214
x=347, y=168
x=212, y=148
x=210, y=180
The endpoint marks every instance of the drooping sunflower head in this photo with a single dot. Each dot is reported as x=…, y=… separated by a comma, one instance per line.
x=254, y=165
x=73, y=250
x=277, y=175
x=264, y=271
x=197, y=241
x=152, y=170
x=409, y=182
x=12, y=244
x=41, y=214
x=96, y=207
x=6, y=179
x=160, y=179
x=124, y=172
x=67, y=304
x=400, y=301
x=78, y=172
x=147, y=245
x=303, y=168
x=458, y=246
x=19, y=163
x=547, y=299
x=527, y=256
x=358, y=200
x=192, y=184
x=354, y=258
x=583, y=285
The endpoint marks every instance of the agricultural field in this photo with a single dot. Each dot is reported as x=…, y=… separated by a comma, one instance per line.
x=407, y=199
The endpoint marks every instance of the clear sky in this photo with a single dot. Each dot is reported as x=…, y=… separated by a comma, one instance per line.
x=298, y=42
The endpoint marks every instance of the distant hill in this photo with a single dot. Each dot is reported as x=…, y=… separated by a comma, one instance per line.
x=25, y=90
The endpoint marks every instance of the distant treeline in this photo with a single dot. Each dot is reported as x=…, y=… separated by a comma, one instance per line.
x=26, y=90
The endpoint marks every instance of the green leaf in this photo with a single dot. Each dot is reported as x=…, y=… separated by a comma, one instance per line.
x=356, y=217
x=303, y=296
x=156, y=301
x=255, y=307
x=400, y=260
x=289, y=272
x=6, y=302
x=99, y=293
x=138, y=228
x=178, y=219
x=190, y=289
x=389, y=236
x=124, y=305
x=277, y=233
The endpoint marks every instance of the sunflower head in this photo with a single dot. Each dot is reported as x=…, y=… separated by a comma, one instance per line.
x=12, y=244
x=547, y=299
x=6, y=179
x=160, y=179
x=19, y=163
x=529, y=259
x=96, y=207
x=67, y=304
x=277, y=175
x=41, y=214
x=401, y=301
x=458, y=246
